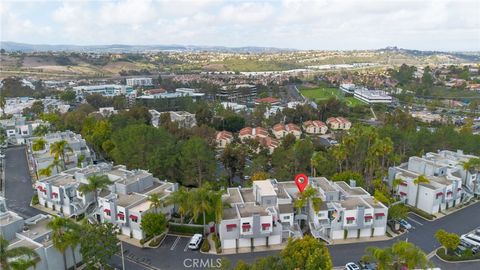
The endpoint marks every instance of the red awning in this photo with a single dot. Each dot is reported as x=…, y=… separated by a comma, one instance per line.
x=121, y=215
x=403, y=184
x=230, y=226
x=133, y=217
x=54, y=194
x=350, y=218
x=439, y=194
x=368, y=217
x=450, y=193
x=458, y=189
x=40, y=188
x=246, y=226
x=106, y=210
x=379, y=214
x=266, y=225
x=402, y=193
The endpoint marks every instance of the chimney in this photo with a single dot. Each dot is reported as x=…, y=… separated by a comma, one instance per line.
x=353, y=183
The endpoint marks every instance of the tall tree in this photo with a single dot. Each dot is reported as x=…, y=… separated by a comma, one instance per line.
x=308, y=198
x=3, y=103
x=155, y=201
x=98, y=244
x=400, y=255
x=472, y=166
x=307, y=253
x=9, y=256
x=201, y=203
x=95, y=182
x=39, y=144
x=47, y=171
x=153, y=224
x=233, y=159
x=449, y=240
x=197, y=162
x=181, y=199
x=64, y=236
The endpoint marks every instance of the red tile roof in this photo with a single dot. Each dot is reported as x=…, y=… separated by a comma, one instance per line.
x=292, y=127
x=245, y=131
x=279, y=127
x=223, y=135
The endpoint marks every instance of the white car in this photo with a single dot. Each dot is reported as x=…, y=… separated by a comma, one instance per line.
x=405, y=224
x=195, y=241
x=352, y=266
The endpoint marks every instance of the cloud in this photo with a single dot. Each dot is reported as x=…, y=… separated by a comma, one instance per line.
x=309, y=24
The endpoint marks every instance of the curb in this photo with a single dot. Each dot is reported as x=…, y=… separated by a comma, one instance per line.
x=455, y=262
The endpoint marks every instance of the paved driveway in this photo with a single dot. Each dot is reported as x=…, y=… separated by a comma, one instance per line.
x=18, y=184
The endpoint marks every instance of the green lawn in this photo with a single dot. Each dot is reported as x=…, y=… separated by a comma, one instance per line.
x=323, y=93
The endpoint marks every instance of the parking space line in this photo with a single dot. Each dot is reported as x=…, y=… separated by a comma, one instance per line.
x=161, y=242
x=175, y=243
x=411, y=219
x=186, y=246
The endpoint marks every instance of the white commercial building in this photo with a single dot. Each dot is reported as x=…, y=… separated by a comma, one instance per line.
x=141, y=81
x=372, y=96
x=109, y=90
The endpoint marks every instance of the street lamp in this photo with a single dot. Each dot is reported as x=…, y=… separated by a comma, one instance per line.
x=123, y=257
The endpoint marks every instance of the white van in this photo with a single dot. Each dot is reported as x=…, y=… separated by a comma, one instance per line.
x=195, y=241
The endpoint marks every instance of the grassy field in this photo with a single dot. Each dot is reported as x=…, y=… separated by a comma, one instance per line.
x=323, y=93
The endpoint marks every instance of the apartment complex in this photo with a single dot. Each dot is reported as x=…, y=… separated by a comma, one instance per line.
x=123, y=203
x=339, y=123
x=33, y=233
x=182, y=118
x=139, y=81
x=80, y=154
x=260, y=134
x=448, y=183
x=281, y=130
x=315, y=127
x=223, y=138
x=346, y=211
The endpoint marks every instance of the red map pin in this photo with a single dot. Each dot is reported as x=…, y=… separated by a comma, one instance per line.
x=302, y=181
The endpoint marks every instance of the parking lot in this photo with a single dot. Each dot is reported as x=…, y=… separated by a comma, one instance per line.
x=176, y=243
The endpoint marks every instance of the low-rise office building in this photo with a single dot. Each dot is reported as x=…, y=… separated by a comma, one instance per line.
x=372, y=96
x=237, y=93
x=109, y=90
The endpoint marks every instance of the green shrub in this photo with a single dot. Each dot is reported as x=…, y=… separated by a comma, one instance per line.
x=218, y=244
x=146, y=239
x=468, y=255
x=421, y=213
x=156, y=241
x=35, y=199
x=184, y=229
x=205, y=246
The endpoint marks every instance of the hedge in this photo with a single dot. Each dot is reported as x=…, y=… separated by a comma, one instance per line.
x=184, y=229
x=421, y=213
x=35, y=199
x=205, y=246
x=465, y=257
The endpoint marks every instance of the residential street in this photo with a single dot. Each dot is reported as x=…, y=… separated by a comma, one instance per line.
x=18, y=184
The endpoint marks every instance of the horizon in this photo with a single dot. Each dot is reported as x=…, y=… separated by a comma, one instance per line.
x=444, y=26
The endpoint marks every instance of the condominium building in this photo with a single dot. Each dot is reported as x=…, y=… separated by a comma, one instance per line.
x=123, y=203
x=33, y=233
x=223, y=138
x=182, y=118
x=346, y=211
x=443, y=189
x=80, y=154
x=281, y=130
x=139, y=81
x=261, y=135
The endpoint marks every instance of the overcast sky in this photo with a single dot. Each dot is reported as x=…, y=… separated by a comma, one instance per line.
x=301, y=24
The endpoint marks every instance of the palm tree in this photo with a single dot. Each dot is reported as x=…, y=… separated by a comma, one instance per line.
x=309, y=195
x=95, y=182
x=47, y=171
x=472, y=166
x=402, y=254
x=16, y=258
x=201, y=199
x=59, y=226
x=420, y=180
x=57, y=164
x=217, y=205
x=155, y=201
x=181, y=199
x=59, y=149
x=39, y=144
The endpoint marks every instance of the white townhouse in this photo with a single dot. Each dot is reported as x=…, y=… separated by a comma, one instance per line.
x=33, y=233
x=315, y=127
x=123, y=203
x=444, y=189
x=42, y=158
x=18, y=129
x=346, y=211
x=281, y=130
x=259, y=216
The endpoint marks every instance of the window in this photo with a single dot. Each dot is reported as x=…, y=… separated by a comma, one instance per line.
x=286, y=217
x=246, y=227
x=231, y=227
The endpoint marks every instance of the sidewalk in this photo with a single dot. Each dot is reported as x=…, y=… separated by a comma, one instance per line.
x=361, y=240
x=255, y=249
x=128, y=240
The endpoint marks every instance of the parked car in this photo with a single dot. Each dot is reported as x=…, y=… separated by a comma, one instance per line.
x=195, y=241
x=367, y=265
x=475, y=250
x=352, y=266
x=460, y=250
x=466, y=244
x=403, y=223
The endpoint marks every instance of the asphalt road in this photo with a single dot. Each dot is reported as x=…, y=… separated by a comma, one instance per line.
x=18, y=183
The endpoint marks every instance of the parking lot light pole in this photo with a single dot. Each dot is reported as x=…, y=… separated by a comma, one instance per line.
x=123, y=256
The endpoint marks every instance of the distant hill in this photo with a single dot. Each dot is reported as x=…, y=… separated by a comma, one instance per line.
x=120, y=48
